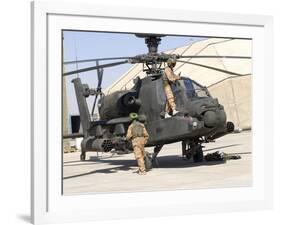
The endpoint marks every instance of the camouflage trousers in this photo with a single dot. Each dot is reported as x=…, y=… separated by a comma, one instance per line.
x=138, y=146
x=170, y=104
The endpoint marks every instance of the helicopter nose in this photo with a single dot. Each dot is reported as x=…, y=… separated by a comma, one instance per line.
x=214, y=118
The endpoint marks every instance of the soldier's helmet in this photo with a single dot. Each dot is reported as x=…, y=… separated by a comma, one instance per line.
x=134, y=116
x=171, y=62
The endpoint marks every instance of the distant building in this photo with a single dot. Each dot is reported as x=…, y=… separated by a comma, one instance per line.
x=65, y=129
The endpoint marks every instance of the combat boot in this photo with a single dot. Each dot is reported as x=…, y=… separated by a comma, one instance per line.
x=141, y=173
x=175, y=112
x=167, y=115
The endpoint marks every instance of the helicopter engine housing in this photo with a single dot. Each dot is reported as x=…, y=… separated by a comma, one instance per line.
x=118, y=104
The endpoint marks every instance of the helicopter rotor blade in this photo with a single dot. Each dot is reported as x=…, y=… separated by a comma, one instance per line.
x=98, y=72
x=216, y=56
x=214, y=68
x=185, y=56
x=94, y=105
x=92, y=60
x=100, y=76
x=95, y=67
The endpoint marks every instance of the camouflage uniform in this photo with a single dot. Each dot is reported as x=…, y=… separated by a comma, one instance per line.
x=169, y=77
x=139, y=136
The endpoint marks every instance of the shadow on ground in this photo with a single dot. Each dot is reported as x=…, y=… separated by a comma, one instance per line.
x=222, y=147
x=130, y=164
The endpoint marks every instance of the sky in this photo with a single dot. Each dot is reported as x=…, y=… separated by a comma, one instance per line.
x=78, y=45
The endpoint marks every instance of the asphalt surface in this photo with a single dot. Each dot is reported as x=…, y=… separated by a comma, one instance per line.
x=107, y=173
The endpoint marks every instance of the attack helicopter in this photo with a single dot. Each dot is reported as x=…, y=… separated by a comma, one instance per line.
x=201, y=117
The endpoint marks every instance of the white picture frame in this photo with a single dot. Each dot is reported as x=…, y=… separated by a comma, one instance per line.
x=47, y=203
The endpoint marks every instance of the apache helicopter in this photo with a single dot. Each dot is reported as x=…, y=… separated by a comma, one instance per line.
x=201, y=118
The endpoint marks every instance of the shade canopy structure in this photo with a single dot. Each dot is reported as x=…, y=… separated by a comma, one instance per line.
x=232, y=91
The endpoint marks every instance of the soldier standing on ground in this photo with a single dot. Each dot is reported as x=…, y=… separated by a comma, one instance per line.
x=139, y=136
x=170, y=77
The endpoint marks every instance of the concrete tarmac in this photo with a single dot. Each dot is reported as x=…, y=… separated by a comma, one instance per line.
x=108, y=173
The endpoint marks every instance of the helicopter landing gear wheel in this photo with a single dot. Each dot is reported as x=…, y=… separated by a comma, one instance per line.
x=198, y=155
x=147, y=161
x=156, y=151
x=83, y=156
x=194, y=151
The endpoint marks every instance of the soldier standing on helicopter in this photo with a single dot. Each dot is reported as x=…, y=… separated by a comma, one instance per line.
x=139, y=136
x=168, y=78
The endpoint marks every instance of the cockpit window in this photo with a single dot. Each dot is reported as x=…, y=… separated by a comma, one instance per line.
x=194, y=90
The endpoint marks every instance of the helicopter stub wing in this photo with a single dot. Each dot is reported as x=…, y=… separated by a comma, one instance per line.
x=95, y=67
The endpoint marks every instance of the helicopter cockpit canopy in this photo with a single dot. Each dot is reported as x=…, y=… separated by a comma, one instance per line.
x=191, y=88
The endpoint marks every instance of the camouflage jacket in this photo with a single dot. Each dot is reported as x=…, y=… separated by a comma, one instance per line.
x=132, y=136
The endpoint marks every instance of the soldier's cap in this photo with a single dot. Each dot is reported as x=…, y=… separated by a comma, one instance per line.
x=133, y=116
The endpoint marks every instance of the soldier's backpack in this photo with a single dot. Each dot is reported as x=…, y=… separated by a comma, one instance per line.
x=137, y=129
